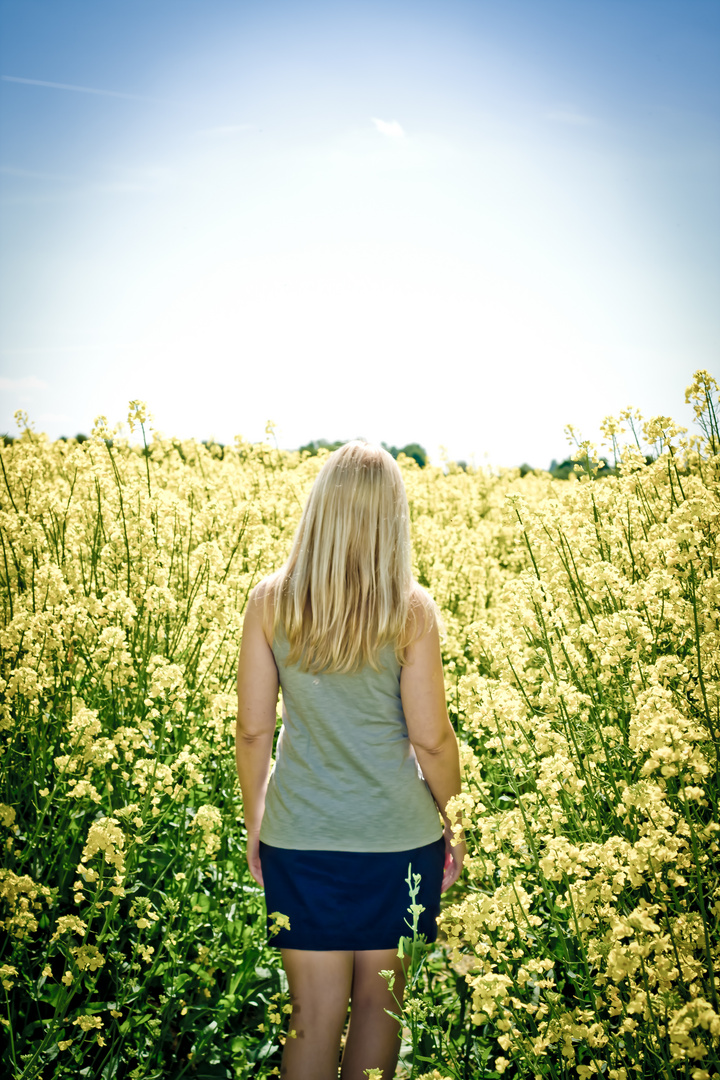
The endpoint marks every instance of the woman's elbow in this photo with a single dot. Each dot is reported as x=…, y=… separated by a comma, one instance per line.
x=249, y=732
x=436, y=747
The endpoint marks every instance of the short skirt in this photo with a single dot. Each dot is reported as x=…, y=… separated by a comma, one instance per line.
x=350, y=900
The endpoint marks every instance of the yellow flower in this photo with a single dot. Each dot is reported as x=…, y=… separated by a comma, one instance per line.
x=22, y=899
x=106, y=836
x=138, y=414
x=69, y=923
x=209, y=821
x=88, y=958
x=88, y=1022
x=278, y=922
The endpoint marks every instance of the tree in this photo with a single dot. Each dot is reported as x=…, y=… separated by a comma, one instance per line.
x=411, y=450
x=321, y=444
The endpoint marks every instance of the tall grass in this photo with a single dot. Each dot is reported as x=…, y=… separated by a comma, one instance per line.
x=582, y=672
x=135, y=938
x=589, y=930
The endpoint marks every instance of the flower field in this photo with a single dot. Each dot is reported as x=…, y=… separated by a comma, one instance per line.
x=582, y=657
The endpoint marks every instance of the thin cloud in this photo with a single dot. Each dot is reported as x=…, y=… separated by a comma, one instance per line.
x=29, y=382
x=77, y=89
x=50, y=349
x=568, y=116
x=28, y=174
x=133, y=181
x=391, y=128
x=128, y=187
x=224, y=130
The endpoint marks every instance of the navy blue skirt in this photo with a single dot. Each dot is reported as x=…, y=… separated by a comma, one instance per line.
x=350, y=900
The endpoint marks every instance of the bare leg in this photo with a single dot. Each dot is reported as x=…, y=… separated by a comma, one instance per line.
x=320, y=985
x=373, y=1037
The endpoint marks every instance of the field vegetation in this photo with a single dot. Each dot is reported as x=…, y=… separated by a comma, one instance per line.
x=582, y=651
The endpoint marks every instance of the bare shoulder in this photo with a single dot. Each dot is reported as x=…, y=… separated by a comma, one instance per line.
x=263, y=590
x=260, y=607
x=259, y=592
x=423, y=616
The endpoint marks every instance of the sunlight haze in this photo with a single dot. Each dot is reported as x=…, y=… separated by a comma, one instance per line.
x=462, y=224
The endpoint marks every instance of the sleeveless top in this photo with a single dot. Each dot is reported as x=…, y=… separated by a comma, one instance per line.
x=345, y=778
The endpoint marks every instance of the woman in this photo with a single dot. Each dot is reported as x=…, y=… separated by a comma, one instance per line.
x=352, y=640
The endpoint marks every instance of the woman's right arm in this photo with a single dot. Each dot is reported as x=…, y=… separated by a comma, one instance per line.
x=422, y=688
x=257, y=685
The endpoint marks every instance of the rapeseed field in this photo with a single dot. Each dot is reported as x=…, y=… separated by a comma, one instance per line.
x=582, y=654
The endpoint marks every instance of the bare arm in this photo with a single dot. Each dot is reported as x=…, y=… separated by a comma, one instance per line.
x=257, y=685
x=422, y=689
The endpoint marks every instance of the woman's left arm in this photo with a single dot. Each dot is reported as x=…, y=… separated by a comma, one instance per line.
x=422, y=688
x=257, y=684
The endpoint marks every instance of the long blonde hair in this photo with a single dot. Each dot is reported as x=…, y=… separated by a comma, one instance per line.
x=347, y=588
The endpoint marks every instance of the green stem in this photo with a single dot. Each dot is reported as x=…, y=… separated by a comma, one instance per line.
x=709, y=960
x=10, y=1031
x=7, y=485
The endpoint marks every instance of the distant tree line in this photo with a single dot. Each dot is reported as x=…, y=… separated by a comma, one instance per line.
x=558, y=470
x=321, y=444
x=562, y=471
x=411, y=450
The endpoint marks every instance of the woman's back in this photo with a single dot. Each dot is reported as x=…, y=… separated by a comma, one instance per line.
x=345, y=778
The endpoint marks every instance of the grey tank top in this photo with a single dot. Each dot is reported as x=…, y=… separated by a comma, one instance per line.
x=345, y=778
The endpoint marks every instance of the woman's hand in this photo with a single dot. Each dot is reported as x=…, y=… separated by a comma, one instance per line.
x=454, y=858
x=253, y=855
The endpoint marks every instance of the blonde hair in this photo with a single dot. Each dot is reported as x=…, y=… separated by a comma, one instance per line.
x=347, y=588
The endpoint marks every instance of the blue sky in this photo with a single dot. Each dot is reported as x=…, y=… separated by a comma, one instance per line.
x=463, y=224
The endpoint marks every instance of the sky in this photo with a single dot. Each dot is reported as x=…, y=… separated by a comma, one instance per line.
x=465, y=223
